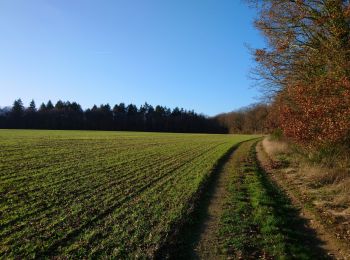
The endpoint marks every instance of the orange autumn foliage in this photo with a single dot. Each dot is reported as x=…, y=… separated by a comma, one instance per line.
x=305, y=68
x=315, y=116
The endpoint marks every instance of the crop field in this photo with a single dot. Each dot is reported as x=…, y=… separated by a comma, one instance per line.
x=95, y=194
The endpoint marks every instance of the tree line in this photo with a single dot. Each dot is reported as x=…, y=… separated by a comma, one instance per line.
x=249, y=120
x=305, y=68
x=70, y=115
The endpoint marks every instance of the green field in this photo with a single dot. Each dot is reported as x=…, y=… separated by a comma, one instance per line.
x=95, y=194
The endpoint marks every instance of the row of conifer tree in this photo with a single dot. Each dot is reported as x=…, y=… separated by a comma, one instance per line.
x=70, y=115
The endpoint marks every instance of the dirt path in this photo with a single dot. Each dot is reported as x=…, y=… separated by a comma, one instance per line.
x=334, y=248
x=197, y=237
x=254, y=217
x=207, y=245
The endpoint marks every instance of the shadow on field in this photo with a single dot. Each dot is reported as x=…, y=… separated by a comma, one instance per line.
x=301, y=241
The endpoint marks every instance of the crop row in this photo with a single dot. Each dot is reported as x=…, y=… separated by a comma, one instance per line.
x=91, y=194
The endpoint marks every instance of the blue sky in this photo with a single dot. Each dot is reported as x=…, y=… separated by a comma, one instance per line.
x=186, y=53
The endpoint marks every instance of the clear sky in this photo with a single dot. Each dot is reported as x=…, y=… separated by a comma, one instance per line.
x=186, y=53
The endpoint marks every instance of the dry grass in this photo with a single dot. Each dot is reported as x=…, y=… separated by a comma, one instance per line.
x=344, y=187
x=321, y=176
x=274, y=147
x=329, y=185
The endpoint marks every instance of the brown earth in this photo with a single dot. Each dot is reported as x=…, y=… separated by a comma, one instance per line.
x=207, y=244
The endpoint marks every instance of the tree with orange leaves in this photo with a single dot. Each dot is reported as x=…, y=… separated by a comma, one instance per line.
x=306, y=66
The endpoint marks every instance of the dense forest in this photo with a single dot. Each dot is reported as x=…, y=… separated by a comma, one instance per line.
x=70, y=115
x=305, y=68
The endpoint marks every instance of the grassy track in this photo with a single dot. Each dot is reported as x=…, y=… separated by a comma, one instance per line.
x=90, y=194
x=258, y=220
